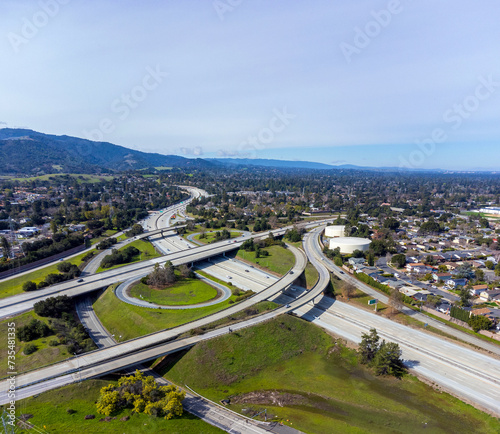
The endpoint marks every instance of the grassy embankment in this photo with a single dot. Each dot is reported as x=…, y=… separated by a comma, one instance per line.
x=142, y=321
x=181, y=293
x=147, y=251
x=15, y=286
x=50, y=410
x=302, y=377
x=210, y=236
x=43, y=356
x=279, y=261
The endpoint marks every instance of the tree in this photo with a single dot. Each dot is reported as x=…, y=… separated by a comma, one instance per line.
x=489, y=265
x=64, y=267
x=391, y=223
x=54, y=306
x=162, y=277
x=370, y=258
x=186, y=271
x=33, y=330
x=398, y=260
x=464, y=270
x=369, y=346
x=484, y=223
x=396, y=300
x=465, y=297
x=479, y=322
x=348, y=289
x=497, y=269
x=358, y=254
x=142, y=394
x=388, y=360
x=479, y=274
x=5, y=247
x=430, y=227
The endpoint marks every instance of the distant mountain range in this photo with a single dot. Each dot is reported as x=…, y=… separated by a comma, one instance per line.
x=24, y=151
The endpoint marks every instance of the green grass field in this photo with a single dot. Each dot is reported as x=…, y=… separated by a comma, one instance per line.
x=311, y=275
x=81, y=178
x=302, y=377
x=147, y=252
x=43, y=356
x=50, y=414
x=210, y=236
x=15, y=286
x=141, y=321
x=279, y=261
x=183, y=292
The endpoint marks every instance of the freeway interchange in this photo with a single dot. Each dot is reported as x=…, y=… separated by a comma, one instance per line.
x=467, y=373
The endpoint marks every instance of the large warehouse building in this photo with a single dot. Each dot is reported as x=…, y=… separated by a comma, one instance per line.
x=335, y=231
x=348, y=245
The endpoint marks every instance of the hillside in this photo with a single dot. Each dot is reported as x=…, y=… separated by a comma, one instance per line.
x=27, y=152
x=309, y=380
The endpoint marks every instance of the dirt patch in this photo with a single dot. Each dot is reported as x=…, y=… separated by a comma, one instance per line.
x=269, y=397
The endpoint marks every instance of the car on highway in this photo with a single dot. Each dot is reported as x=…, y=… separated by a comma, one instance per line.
x=229, y=277
x=291, y=272
x=287, y=306
x=248, y=271
x=341, y=272
x=80, y=280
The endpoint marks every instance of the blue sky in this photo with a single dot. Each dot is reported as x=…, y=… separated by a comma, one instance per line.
x=373, y=83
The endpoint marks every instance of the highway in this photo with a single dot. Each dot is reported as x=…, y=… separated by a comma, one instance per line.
x=211, y=413
x=19, y=303
x=102, y=357
x=343, y=275
x=464, y=372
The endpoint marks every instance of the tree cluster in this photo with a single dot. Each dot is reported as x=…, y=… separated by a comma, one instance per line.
x=68, y=271
x=35, y=329
x=384, y=357
x=107, y=243
x=143, y=395
x=54, y=306
x=162, y=277
x=118, y=257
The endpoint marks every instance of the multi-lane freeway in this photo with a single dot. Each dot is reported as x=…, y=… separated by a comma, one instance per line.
x=461, y=370
x=108, y=356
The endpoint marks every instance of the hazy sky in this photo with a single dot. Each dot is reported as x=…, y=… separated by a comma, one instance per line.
x=374, y=83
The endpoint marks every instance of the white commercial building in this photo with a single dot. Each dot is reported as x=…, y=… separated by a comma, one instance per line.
x=348, y=245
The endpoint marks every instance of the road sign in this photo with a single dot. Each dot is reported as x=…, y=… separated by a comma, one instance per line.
x=372, y=301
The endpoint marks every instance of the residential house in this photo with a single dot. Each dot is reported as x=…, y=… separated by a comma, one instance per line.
x=441, y=277
x=491, y=295
x=487, y=312
x=453, y=283
x=477, y=289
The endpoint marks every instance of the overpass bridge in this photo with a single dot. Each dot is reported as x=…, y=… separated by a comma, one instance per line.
x=22, y=302
x=134, y=351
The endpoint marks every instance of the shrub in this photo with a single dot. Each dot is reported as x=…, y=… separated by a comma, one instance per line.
x=29, y=349
x=33, y=330
x=29, y=286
